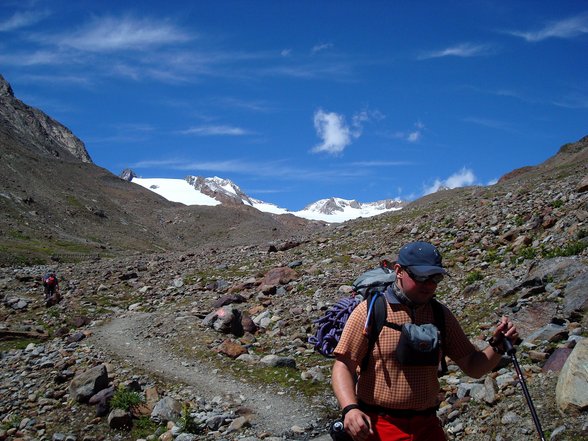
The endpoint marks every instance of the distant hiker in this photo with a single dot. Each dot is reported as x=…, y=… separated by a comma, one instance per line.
x=51, y=286
x=395, y=396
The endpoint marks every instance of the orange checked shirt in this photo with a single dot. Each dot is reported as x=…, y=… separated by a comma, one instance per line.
x=385, y=382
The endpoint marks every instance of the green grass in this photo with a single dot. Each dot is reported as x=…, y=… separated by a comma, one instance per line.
x=473, y=276
x=143, y=427
x=125, y=399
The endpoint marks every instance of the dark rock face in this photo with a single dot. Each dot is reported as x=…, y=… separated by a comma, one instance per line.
x=39, y=131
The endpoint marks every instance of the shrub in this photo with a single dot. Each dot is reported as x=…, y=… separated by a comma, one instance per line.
x=125, y=399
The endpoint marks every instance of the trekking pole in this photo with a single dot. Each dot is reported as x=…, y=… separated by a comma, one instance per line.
x=510, y=350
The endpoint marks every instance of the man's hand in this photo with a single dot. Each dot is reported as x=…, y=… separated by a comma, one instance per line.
x=505, y=329
x=358, y=425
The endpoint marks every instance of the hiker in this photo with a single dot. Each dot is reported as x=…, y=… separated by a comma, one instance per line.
x=395, y=396
x=51, y=286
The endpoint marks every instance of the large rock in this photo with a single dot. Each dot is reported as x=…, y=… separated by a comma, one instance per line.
x=571, y=393
x=166, y=409
x=226, y=320
x=576, y=300
x=88, y=383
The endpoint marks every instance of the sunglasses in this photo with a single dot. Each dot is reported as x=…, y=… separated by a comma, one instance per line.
x=435, y=278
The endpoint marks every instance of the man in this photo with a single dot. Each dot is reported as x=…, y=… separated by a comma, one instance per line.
x=51, y=286
x=394, y=400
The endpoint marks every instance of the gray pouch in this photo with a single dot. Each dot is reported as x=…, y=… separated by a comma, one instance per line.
x=418, y=345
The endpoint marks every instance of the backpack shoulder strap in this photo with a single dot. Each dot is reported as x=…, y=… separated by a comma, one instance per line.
x=376, y=319
x=439, y=318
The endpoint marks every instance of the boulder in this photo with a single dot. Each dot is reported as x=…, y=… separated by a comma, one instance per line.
x=571, y=392
x=88, y=383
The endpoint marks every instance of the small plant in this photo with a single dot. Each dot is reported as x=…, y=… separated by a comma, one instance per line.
x=473, y=276
x=187, y=422
x=12, y=423
x=492, y=256
x=527, y=253
x=557, y=203
x=125, y=399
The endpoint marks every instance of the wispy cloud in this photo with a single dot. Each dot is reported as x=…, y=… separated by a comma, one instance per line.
x=114, y=34
x=462, y=178
x=379, y=163
x=321, y=47
x=463, y=50
x=22, y=20
x=567, y=28
x=489, y=123
x=414, y=135
x=36, y=58
x=273, y=169
x=215, y=131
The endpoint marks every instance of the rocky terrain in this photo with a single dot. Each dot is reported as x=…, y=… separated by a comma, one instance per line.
x=222, y=331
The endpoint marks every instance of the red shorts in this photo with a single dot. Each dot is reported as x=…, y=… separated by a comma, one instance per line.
x=416, y=428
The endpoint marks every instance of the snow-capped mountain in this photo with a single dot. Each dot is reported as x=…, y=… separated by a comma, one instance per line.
x=197, y=190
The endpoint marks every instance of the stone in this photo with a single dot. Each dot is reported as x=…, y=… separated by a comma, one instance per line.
x=166, y=409
x=557, y=359
x=88, y=383
x=120, y=419
x=571, y=392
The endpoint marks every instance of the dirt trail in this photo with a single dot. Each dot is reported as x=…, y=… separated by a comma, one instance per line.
x=272, y=412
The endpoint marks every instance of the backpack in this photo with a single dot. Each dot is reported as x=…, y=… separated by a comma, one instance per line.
x=369, y=286
x=50, y=280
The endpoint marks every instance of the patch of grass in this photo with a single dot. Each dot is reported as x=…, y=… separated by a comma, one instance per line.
x=143, y=427
x=125, y=399
x=527, y=253
x=571, y=249
x=73, y=202
x=557, y=203
x=7, y=345
x=492, y=256
x=473, y=276
x=15, y=234
x=12, y=423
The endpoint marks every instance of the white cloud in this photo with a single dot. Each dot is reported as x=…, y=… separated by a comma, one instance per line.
x=321, y=47
x=462, y=178
x=566, y=28
x=411, y=136
x=461, y=50
x=333, y=131
x=22, y=20
x=113, y=34
x=215, y=131
x=286, y=52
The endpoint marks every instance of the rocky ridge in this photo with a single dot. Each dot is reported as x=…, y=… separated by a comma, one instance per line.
x=244, y=314
x=42, y=133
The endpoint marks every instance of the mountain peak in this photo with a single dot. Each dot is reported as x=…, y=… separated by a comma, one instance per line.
x=5, y=89
x=38, y=131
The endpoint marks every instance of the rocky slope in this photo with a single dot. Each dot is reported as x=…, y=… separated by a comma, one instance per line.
x=517, y=248
x=39, y=132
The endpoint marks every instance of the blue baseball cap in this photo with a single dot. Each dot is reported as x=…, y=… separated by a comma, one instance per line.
x=421, y=258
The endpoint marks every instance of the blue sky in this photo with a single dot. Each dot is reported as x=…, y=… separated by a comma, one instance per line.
x=297, y=101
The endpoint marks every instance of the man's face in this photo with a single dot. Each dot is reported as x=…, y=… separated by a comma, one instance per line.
x=418, y=292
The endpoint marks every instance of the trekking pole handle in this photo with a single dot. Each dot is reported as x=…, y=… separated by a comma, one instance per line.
x=508, y=346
